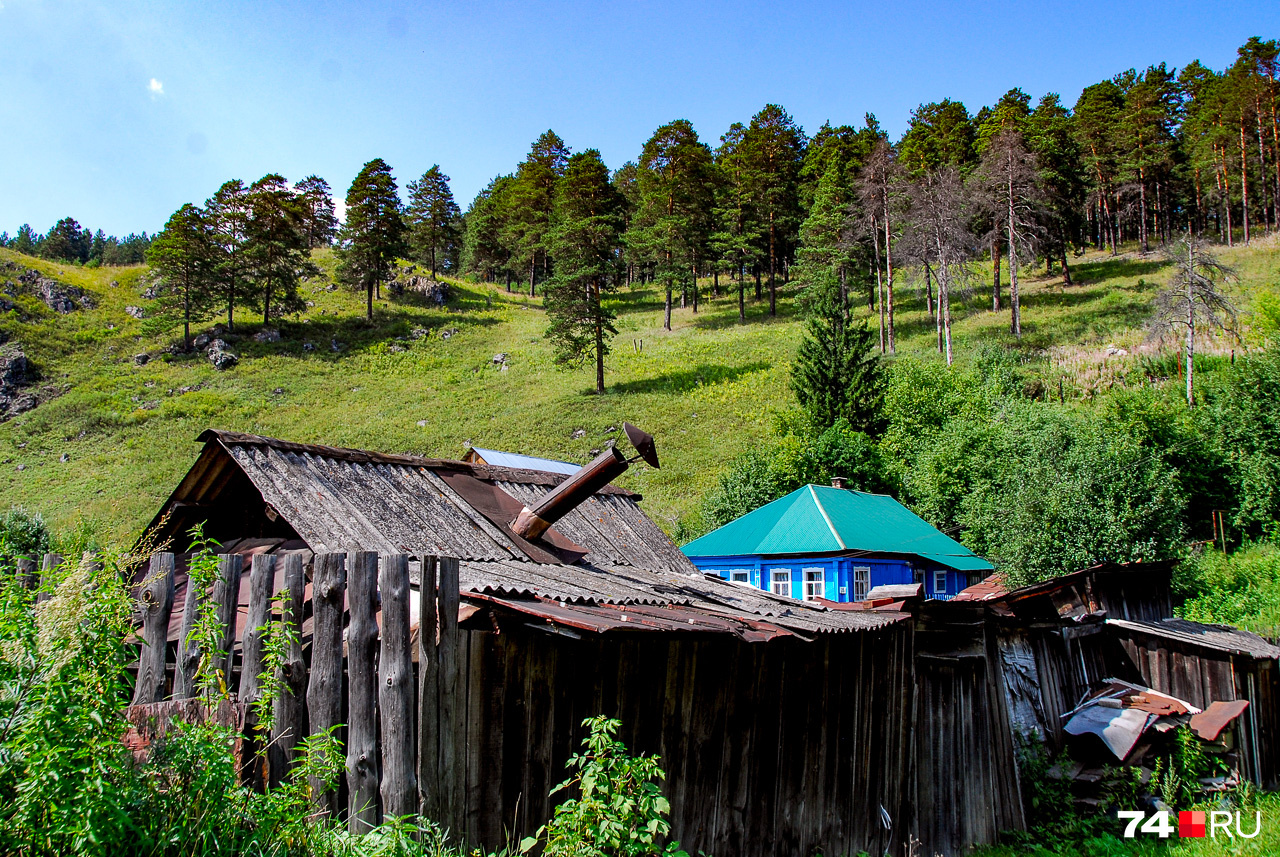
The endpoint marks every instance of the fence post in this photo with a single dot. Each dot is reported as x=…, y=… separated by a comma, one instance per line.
x=428, y=695
x=184, y=671
x=324, y=701
x=395, y=690
x=52, y=562
x=288, y=710
x=28, y=576
x=157, y=604
x=362, y=702
x=226, y=594
x=262, y=576
x=452, y=700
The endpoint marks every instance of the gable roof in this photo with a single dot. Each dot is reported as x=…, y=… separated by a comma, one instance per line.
x=817, y=519
x=525, y=462
x=345, y=500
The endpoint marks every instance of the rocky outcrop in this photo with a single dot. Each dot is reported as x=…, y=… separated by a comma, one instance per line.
x=59, y=297
x=17, y=374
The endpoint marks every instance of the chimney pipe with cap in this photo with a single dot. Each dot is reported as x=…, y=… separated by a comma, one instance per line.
x=837, y=482
x=565, y=497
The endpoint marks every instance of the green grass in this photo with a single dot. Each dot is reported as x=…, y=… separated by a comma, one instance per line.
x=706, y=389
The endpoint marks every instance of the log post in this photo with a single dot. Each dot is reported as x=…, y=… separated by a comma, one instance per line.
x=324, y=692
x=52, y=562
x=395, y=690
x=184, y=671
x=28, y=573
x=288, y=710
x=156, y=601
x=362, y=701
x=428, y=695
x=262, y=576
x=452, y=700
x=226, y=594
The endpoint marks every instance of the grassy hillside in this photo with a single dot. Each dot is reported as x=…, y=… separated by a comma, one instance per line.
x=706, y=390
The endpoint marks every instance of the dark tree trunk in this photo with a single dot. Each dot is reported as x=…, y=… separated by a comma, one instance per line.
x=995, y=275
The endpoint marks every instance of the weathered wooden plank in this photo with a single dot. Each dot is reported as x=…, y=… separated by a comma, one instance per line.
x=156, y=601
x=395, y=690
x=188, y=658
x=428, y=694
x=324, y=692
x=288, y=708
x=51, y=563
x=262, y=575
x=362, y=694
x=226, y=594
x=452, y=700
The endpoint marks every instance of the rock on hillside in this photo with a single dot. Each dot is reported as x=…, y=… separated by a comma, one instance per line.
x=16, y=374
x=58, y=297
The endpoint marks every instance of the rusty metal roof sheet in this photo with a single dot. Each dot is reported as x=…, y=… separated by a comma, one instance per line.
x=1209, y=723
x=1222, y=638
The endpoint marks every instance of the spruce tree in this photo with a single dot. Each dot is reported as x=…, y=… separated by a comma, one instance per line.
x=433, y=218
x=585, y=238
x=184, y=254
x=837, y=373
x=373, y=236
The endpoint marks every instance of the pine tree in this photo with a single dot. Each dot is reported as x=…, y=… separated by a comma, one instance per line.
x=66, y=242
x=228, y=215
x=673, y=223
x=585, y=239
x=837, y=373
x=1097, y=120
x=1194, y=300
x=1008, y=188
x=532, y=200
x=1050, y=137
x=184, y=254
x=276, y=253
x=372, y=238
x=433, y=219
x=879, y=189
x=775, y=147
x=26, y=241
x=737, y=236
x=321, y=220
x=483, y=249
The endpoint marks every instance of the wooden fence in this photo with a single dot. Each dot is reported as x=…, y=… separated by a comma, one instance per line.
x=394, y=767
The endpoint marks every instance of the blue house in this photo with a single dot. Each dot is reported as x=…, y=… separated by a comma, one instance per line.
x=837, y=544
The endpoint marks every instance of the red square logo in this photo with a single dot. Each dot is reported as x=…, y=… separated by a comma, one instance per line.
x=1191, y=824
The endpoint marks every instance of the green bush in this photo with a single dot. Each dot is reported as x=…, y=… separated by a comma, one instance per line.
x=1241, y=589
x=23, y=533
x=619, y=811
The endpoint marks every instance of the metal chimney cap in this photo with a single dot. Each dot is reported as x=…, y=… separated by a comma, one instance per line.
x=838, y=482
x=643, y=442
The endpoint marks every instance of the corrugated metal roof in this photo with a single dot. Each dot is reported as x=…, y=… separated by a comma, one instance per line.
x=1222, y=638
x=526, y=462
x=816, y=519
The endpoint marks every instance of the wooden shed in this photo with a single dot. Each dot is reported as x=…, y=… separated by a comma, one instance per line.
x=785, y=727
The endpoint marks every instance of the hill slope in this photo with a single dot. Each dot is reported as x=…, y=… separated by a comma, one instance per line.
x=706, y=390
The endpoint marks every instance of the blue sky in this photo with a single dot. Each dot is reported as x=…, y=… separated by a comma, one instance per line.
x=117, y=113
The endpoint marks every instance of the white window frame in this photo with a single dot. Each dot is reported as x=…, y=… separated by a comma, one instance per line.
x=745, y=579
x=939, y=574
x=780, y=576
x=815, y=589
x=863, y=586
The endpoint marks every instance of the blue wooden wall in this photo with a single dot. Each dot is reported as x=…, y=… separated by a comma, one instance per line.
x=838, y=574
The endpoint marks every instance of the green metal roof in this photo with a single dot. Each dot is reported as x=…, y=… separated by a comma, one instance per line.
x=817, y=519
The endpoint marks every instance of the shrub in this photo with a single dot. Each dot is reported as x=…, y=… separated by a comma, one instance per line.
x=619, y=810
x=23, y=533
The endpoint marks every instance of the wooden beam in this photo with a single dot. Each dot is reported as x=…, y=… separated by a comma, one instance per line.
x=362, y=698
x=156, y=601
x=452, y=701
x=52, y=562
x=396, y=691
x=324, y=693
x=262, y=576
x=188, y=661
x=28, y=573
x=288, y=711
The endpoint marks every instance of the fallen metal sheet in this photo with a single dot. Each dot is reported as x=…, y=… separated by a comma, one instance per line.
x=1118, y=729
x=1209, y=723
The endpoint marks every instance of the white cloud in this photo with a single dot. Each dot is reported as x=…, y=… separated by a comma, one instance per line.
x=155, y=87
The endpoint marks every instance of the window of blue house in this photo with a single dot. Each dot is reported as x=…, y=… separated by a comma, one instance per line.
x=815, y=584
x=861, y=582
x=740, y=575
x=940, y=581
x=780, y=582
